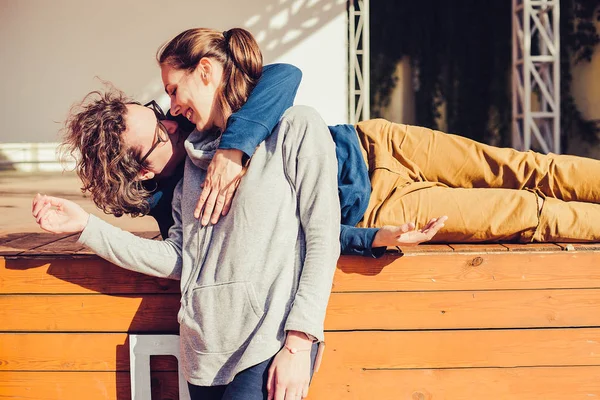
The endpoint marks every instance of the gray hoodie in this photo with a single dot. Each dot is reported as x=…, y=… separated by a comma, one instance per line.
x=265, y=268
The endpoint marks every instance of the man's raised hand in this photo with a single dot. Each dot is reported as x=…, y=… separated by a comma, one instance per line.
x=57, y=215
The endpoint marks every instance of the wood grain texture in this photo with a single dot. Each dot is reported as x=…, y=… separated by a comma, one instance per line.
x=457, y=271
x=344, y=350
x=424, y=248
x=478, y=247
x=560, y=383
x=12, y=236
x=432, y=272
x=346, y=311
x=90, y=313
x=28, y=242
x=527, y=247
x=81, y=385
x=71, y=352
x=442, y=322
x=463, y=349
x=64, y=246
x=463, y=310
x=89, y=274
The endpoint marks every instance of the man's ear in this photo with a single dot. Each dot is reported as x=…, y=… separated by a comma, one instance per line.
x=145, y=175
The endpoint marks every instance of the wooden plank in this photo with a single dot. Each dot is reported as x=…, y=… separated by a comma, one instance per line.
x=28, y=242
x=463, y=310
x=69, y=245
x=64, y=246
x=348, y=350
x=558, y=383
x=478, y=247
x=580, y=246
x=455, y=271
x=147, y=235
x=346, y=311
x=71, y=352
x=457, y=384
x=81, y=385
x=90, y=313
x=462, y=384
x=426, y=248
x=464, y=348
x=532, y=246
x=76, y=275
x=12, y=236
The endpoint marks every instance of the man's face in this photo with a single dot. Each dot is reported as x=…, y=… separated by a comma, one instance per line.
x=141, y=132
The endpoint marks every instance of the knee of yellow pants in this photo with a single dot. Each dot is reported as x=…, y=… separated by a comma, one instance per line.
x=530, y=235
x=568, y=221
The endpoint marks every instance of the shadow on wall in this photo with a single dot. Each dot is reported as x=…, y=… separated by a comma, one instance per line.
x=278, y=29
x=285, y=24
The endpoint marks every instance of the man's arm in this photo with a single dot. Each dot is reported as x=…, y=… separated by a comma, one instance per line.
x=359, y=242
x=150, y=257
x=372, y=242
x=253, y=123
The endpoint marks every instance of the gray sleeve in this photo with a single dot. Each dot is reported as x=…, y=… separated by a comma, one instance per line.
x=312, y=168
x=150, y=257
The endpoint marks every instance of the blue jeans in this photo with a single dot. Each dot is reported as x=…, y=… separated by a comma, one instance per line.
x=249, y=384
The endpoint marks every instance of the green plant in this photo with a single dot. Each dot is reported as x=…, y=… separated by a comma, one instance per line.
x=460, y=52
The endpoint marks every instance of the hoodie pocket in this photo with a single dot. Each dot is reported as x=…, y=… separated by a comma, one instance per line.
x=220, y=318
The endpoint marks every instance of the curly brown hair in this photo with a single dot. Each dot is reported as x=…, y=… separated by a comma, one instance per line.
x=108, y=169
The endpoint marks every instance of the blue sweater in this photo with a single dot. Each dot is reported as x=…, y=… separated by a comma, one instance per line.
x=253, y=123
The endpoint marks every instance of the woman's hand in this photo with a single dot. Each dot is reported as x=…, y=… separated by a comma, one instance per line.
x=222, y=179
x=407, y=234
x=289, y=374
x=57, y=215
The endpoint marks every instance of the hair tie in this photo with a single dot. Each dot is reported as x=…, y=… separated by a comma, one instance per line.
x=227, y=35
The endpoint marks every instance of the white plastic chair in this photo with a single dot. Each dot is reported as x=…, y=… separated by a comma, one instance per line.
x=141, y=347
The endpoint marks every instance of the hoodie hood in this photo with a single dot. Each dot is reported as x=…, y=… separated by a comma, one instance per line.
x=201, y=147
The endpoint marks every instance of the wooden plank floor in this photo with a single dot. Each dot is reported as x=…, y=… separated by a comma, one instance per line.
x=457, y=321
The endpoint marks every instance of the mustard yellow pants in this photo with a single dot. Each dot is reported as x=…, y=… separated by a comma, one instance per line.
x=488, y=193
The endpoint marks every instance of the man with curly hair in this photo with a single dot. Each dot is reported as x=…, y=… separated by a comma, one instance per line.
x=121, y=180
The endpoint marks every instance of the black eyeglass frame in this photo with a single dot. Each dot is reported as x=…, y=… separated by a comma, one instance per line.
x=160, y=116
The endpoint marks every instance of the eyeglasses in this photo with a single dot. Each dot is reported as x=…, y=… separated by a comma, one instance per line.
x=161, y=134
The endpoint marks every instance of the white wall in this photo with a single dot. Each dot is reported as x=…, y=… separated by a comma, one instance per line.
x=52, y=50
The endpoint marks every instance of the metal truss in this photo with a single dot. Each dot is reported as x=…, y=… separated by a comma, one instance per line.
x=536, y=75
x=359, y=73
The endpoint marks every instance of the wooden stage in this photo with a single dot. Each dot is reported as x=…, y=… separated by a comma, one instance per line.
x=452, y=322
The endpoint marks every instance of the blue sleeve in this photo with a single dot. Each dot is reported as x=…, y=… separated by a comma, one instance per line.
x=254, y=122
x=357, y=241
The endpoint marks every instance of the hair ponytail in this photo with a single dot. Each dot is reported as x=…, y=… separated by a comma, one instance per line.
x=236, y=49
x=241, y=46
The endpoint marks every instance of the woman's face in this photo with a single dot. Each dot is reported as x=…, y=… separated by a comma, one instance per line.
x=193, y=93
